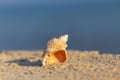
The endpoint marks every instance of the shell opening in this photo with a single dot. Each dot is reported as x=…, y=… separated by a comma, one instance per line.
x=60, y=55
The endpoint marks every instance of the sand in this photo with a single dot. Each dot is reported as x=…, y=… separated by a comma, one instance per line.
x=81, y=65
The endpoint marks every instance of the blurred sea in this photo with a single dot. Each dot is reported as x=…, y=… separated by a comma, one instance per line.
x=91, y=26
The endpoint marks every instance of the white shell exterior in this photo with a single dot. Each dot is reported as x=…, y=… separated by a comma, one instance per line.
x=56, y=44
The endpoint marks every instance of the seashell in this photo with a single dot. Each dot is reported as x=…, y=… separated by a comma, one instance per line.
x=55, y=51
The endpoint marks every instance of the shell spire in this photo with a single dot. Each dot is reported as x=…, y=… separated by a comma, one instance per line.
x=55, y=51
x=64, y=38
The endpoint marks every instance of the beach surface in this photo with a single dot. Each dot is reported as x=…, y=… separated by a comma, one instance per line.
x=81, y=65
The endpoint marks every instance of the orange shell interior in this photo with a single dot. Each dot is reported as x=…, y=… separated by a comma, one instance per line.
x=57, y=57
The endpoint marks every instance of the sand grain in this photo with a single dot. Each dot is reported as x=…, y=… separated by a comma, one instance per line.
x=81, y=65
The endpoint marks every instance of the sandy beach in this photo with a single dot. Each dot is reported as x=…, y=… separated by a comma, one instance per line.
x=81, y=65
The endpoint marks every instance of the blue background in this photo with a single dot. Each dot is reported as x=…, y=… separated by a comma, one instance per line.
x=91, y=25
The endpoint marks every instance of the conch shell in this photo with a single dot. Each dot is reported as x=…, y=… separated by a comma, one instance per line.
x=55, y=51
